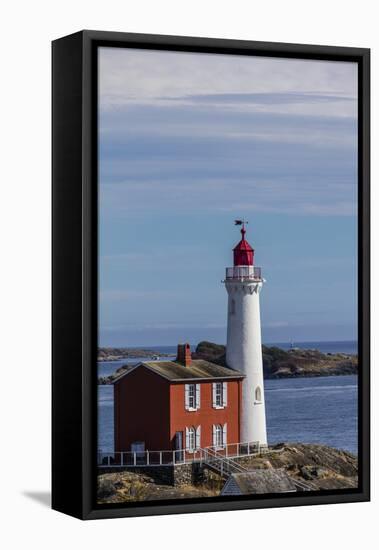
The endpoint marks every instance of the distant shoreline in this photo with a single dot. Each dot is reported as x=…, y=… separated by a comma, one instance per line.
x=277, y=363
x=116, y=354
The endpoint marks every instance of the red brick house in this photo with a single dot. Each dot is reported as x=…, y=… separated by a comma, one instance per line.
x=174, y=405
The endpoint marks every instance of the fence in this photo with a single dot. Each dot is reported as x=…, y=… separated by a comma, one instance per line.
x=170, y=457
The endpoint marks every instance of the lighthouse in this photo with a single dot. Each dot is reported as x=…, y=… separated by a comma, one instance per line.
x=244, y=283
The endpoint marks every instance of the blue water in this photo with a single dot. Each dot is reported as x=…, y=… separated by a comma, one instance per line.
x=313, y=410
x=310, y=410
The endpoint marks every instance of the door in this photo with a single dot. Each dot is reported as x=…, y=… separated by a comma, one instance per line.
x=179, y=447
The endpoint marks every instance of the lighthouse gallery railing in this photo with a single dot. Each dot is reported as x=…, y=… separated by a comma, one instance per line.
x=244, y=272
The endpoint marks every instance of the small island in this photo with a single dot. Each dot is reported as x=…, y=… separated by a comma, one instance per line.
x=277, y=363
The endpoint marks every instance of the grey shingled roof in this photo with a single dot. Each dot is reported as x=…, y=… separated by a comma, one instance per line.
x=259, y=482
x=198, y=370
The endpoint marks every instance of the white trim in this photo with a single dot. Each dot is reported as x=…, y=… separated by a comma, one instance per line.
x=225, y=394
x=193, y=397
x=198, y=437
x=214, y=395
x=189, y=449
x=197, y=396
x=217, y=428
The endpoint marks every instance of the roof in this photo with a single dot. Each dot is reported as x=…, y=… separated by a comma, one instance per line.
x=243, y=252
x=243, y=245
x=258, y=482
x=198, y=370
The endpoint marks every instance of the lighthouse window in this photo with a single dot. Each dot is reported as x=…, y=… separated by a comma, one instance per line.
x=232, y=306
x=258, y=394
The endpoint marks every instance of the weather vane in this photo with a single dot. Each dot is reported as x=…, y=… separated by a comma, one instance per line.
x=240, y=222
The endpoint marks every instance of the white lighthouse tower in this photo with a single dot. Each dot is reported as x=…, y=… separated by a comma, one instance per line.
x=244, y=283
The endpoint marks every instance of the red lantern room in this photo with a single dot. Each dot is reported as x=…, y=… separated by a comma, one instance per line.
x=243, y=253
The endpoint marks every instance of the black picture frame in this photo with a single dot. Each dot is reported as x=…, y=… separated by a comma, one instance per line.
x=74, y=271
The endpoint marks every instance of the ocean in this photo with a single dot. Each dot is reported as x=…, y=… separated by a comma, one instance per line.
x=304, y=410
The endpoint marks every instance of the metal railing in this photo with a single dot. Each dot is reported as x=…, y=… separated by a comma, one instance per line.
x=222, y=465
x=243, y=273
x=171, y=457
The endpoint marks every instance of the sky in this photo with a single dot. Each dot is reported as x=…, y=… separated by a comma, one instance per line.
x=189, y=142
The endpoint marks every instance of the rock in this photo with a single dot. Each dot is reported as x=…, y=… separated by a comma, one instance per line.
x=318, y=467
x=115, y=354
x=105, y=488
x=278, y=363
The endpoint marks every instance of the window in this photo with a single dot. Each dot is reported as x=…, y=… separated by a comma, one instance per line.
x=192, y=397
x=193, y=438
x=258, y=394
x=232, y=306
x=220, y=394
x=219, y=436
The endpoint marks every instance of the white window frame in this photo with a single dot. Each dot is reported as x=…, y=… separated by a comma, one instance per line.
x=193, y=438
x=192, y=397
x=219, y=395
x=218, y=436
x=258, y=395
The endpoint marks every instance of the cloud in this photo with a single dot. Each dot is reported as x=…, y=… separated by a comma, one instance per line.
x=220, y=132
x=305, y=104
x=128, y=76
x=193, y=122
x=184, y=158
x=195, y=139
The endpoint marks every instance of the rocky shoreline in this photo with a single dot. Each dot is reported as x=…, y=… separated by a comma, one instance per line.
x=116, y=354
x=294, y=363
x=319, y=466
x=277, y=363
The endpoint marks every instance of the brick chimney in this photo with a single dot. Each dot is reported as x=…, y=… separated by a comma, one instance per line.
x=184, y=355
